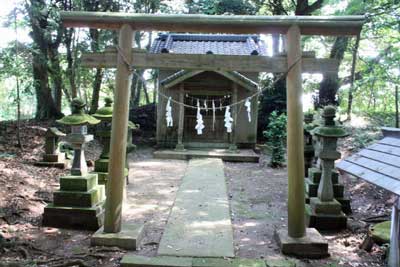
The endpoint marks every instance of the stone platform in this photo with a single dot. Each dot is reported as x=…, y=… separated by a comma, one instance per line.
x=242, y=155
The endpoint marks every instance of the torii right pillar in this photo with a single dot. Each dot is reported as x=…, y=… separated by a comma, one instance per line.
x=297, y=240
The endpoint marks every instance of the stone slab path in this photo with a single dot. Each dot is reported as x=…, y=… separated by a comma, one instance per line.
x=199, y=224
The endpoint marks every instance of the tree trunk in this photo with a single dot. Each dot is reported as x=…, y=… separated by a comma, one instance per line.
x=68, y=37
x=352, y=77
x=45, y=106
x=96, y=90
x=56, y=78
x=330, y=83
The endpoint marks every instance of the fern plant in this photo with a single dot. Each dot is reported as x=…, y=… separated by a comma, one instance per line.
x=276, y=136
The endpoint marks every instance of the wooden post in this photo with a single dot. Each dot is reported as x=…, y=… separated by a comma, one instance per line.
x=180, y=146
x=394, y=253
x=295, y=147
x=116, y=183
x=232, y=146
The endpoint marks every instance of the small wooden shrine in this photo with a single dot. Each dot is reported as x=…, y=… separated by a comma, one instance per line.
x=209, y=88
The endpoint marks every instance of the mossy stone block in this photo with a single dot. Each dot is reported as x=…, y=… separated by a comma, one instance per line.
x=325, y=221
x=338, y=190
x=346, y=204
x=101, y=177
x=79, y=199
x=225, y=262
x=325, y=207
x=380, y=232
x=101, y=165
x=312, y=189
x=74, y=218
x=78, y=183
x=315, y=174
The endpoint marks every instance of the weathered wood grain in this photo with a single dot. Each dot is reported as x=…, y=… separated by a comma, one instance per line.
x=309, y=25
x=108, y=59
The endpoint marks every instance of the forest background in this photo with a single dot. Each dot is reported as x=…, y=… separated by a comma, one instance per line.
x=40, y=69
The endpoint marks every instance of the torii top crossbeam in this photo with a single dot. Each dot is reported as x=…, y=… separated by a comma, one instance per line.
x=309, y=25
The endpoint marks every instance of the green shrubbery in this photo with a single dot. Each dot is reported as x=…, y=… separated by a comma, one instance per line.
x=276, y=135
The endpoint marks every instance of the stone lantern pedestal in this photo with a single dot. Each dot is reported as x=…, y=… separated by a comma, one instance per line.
x=79, y=202
x=103, y=132
x=324, y=212
x=52, y=156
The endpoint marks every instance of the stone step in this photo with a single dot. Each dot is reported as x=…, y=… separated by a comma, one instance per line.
x=243, y=155
x=78, y=198
x=78, y=183
x=132, y=260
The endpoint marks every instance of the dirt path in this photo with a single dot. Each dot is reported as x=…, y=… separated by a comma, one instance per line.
x=258, y=205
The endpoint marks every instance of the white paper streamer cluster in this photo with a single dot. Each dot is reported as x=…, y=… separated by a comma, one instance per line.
x=168, y=113
x=228, y=119
x=199, y=119
x=213, y=110
x=247, y=104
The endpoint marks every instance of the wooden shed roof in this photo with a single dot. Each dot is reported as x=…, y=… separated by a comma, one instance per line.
x=378, y=164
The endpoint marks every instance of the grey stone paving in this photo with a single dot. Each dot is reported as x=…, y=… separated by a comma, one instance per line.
x=199, y=224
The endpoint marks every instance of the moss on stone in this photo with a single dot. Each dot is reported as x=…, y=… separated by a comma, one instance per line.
x=78, y=116
x=105, y=112
x=78, y=119
x=380, y=232
x=331, y=131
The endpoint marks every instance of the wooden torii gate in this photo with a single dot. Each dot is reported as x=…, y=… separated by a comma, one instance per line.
x=292, y=26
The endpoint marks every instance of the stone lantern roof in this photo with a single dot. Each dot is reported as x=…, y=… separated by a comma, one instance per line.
x=78, y=116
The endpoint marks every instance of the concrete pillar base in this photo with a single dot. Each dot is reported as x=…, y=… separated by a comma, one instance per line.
x=313, y=245
x=128, y=238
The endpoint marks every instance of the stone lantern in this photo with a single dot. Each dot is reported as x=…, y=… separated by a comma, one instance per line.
x=79, y=201
x=52, y=156
x=325, y=211
x=103, y=132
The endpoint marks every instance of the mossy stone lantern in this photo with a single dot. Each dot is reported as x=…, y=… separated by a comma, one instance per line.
x=78, y=120
x=326, y=209
x=79, y=201
x=103, y=131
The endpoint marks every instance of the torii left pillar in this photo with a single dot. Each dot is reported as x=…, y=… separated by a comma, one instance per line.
x=114, y=232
